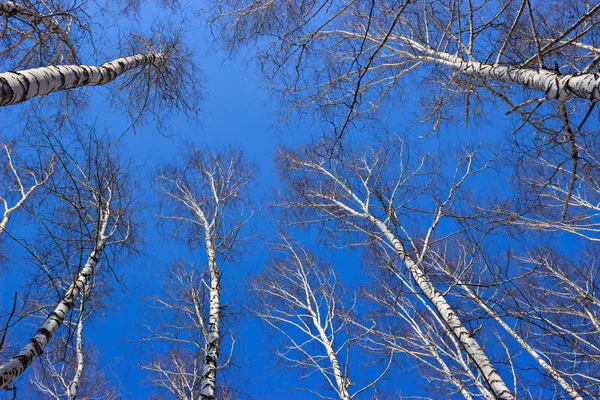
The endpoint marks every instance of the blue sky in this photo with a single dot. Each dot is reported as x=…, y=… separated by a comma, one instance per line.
x=237, y=111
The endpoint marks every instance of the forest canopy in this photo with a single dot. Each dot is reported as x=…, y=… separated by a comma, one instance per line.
x=237, y=199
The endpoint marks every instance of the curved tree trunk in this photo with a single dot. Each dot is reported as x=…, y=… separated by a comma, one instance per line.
x=35, y=346
x=16, y=87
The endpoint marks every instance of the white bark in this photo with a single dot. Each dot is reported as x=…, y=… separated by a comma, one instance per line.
x=532, y=352
x=209, y=372
x=340, y=381
x=74, y=385
x=35, y=346
x=23, y=191
x=16, y=87
x=469, y=344
x=555, y=85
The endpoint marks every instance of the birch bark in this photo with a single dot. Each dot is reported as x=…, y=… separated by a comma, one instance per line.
x=74, y=385
x=571, y=391
x=35, y=346
x=17, y=87
x=469, y=344
x=209, y=372
x=555, y=85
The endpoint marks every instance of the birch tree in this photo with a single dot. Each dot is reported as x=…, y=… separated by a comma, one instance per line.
x=205, y=193
x=70, y=369
x=301, y=298
x=359, y=194
x=541, y=351
x=19, y=181
x=90, y=198
x=348, y=57
x=406, y=325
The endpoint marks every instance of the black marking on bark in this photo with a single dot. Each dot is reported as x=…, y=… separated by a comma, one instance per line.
x=45, y=332
x=37, y=347
x=6, y=93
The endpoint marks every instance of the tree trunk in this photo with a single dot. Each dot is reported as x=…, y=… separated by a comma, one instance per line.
x=555, y=85
x=16, y=87
x=340, y=380
x=469, y=344
x=74, y=385
x=34, y=347
x=536, y=356
x=209, y=372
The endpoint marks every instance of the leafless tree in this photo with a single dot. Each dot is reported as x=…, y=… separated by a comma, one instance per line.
x=86, y=219
x=357, y=193
x=348, y=59
x=351, y=55
x=19, y=180
x=70, y=370
x=44, y=32
x=301, y=298
x=205, y=193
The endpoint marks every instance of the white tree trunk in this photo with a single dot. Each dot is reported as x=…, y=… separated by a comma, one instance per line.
x=536, y=356
x=341, y=383
x=209, y=372
x=74, y=385
x=469, y=344
x=555, y=85
x=34, y=347
x=16, y=87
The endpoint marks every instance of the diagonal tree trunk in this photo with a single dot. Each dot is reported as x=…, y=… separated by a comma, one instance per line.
x=469, y=344
x=35, y=346
x=556, y=86
x=16, y=87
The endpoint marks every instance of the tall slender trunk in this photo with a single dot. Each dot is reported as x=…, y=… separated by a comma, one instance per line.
x=340, y=380
x=35, y=346
x=74, y=385
x=536, y=356
x=555, y=85
x=16, y=87
x=468, y=343
x=209, y=372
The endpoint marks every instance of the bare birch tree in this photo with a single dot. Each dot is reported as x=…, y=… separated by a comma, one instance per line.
x=70, y=370
x=19, y=181
x=349, y=56
x=358, y=193
x=90, y=198
x=301, y=298
x=205, y=194
x=348, y=59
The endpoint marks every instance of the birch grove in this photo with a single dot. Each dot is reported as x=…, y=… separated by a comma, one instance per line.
x=430, y=229
x=361, y=193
